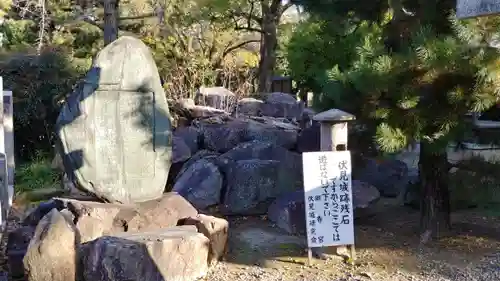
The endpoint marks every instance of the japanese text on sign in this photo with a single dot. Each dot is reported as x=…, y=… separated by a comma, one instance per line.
x=328, y=198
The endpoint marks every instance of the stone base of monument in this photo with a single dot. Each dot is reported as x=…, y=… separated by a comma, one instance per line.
x=163, y=239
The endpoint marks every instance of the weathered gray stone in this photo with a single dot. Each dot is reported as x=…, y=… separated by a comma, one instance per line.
x=253, y=184
x=306, y=120
x=171, y=254
x=191, y=137
x=115, y=130
x=271, y=132
x=17, y=245
x=164, y=212
x=291, y=161
x=51, y=254
x=288, y=212
x=180, y=150
x=221, y=137
x=309, y=139
x=216, y=230
x=35, y=215
x=256, y=173
x=223, y=134
x=282, y=105
x=216, y=97
x=200, y=184
x=202, y=154
x=389, y=176
x=95, y=219
x=249, y=106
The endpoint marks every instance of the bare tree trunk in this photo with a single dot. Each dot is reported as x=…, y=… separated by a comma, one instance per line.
x=269, y=42
x=435, y=196
x=110, y=20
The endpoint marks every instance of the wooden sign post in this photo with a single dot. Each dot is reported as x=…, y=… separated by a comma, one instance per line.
x=328, y=186
x=477, y=8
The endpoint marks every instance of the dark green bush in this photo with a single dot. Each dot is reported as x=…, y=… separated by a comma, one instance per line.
x=38, y=83
x=36, y=174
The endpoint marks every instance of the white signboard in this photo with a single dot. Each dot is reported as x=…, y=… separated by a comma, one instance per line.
x=328, y=198
x=477, y=8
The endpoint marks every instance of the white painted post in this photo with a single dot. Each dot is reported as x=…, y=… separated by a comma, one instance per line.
x=8, y=126
x=334, y=132
x=4, y=193
x=7, y=168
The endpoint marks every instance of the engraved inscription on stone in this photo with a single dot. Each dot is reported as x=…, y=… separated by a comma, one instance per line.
x=476, y=8
x=115, y=129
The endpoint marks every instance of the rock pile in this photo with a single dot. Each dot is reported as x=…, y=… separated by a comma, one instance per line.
x=162, y=239
x=248, y=161
x=239, y=157
x=115, y=142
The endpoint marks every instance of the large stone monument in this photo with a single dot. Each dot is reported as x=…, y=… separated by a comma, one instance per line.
x=115, y=129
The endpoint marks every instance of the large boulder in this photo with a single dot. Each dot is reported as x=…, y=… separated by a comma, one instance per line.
x=115, y=129
x=198, y=111
x=389, y=176
x=216, y=97
x=202, y=154
x=216, y=230
x=257, y=172
x=282, y=105
x=253, y=184
x=309, y=139
x=180, y=150
x=201, y=184
x=173, y=254
x=191, y=137
x=288, y=211
x=95, y=219
x=223, y=134
x=18, y=241
x=249, y=106
x=262, y=150
x=51, y=254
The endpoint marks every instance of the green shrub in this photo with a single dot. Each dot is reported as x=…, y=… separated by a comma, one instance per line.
x=38, y=83
x=477, y=184
x=36, y=174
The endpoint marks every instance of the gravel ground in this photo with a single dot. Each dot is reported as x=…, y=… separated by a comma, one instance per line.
x=488, y=270
x=387, y=250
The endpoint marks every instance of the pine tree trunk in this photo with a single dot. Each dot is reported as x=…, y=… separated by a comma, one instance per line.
x=435, y=197
x=110, y=21
x=269, y=42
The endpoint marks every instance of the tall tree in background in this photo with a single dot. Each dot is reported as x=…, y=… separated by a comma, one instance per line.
x=261, y=17
x=415, y=70
x=111, y=12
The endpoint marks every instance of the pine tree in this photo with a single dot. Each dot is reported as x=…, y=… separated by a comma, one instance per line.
x=416, y=72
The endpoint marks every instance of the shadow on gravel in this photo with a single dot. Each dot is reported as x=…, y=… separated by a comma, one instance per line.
x=387, y=242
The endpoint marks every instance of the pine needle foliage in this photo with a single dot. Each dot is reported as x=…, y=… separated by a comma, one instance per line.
x=421, y=88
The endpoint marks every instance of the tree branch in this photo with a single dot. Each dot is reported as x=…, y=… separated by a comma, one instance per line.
x=251, y=29
x=247, y=16
x=285, y=7
x=148, y=15
x=228, y=50
x=91, y=20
